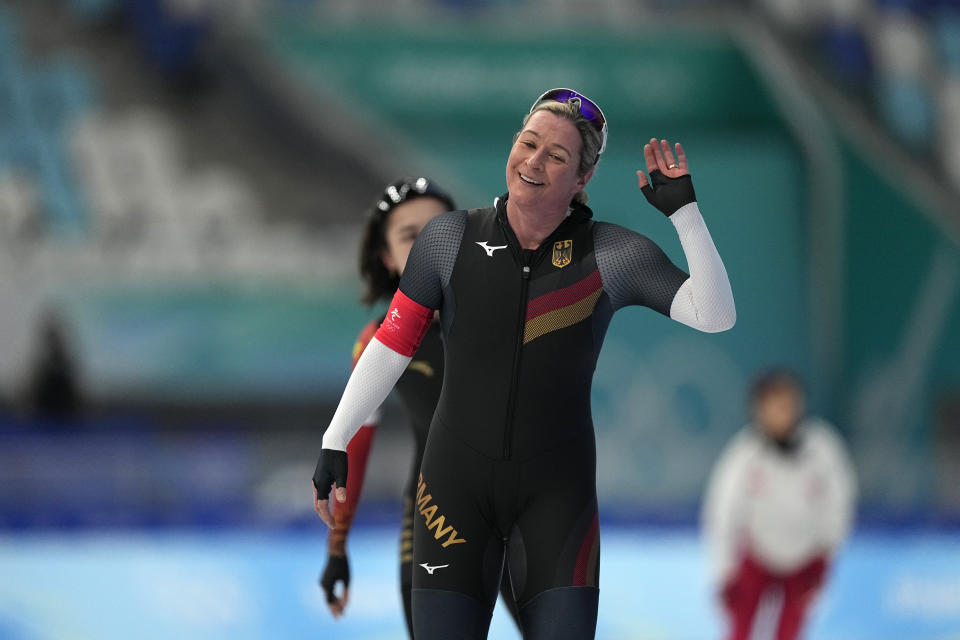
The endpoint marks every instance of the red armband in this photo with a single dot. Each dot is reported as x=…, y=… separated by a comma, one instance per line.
x=405, y=325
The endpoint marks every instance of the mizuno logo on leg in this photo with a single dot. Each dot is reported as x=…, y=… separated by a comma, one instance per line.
x=488, y=249
x=431, y=569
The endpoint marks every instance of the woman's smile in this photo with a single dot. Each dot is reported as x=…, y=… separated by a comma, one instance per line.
x=530, y=181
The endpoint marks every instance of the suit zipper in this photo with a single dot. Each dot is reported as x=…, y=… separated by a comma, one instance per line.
x=525, y=270
x=515, y=377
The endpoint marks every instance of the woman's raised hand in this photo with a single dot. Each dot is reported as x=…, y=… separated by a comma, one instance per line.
x=669, y=186
x=660, y=158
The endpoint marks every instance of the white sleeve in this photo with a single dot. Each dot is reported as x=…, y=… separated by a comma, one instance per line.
x=704, y=301
x=377, y=370
x=723, y=506
x=841, y=493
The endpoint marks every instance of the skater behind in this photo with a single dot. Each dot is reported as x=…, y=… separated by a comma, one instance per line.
x=393, y=224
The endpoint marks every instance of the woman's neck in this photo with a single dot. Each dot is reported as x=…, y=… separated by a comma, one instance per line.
x=533, y=227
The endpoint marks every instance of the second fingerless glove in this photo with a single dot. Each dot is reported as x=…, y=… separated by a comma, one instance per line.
x=337, y=570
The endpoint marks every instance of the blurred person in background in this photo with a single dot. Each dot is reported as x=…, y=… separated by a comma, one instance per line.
x=779, y=503
x=54, y=391
x=525, y=289
x=393, y=224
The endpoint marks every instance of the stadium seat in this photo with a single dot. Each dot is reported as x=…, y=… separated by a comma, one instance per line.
x=18, y=206
x=59, y=91
x=794, y=16
x=846, y=12
x=140, y=192
x=949, y=131
x=904, y=63
x=91, y=155
x=906, y=107
x=218, y=207
x=14, y=149
x=90, y=10
x=9, y=38
x=910, y=6
x=945, y=26
x=901, y=45
x=36, y=107
x=847, y=54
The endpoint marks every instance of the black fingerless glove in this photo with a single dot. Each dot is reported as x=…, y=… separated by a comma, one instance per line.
x=337, y=570
x=331, y=468
x=669, y=194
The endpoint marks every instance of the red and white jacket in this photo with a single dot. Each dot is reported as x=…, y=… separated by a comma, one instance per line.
x=783, y=508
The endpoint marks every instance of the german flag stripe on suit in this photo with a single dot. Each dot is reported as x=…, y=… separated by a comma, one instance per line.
x=563, y=307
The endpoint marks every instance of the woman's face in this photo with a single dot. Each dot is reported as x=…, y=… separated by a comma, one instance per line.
x=543, y=164
x=404, y=224
x=779, y=411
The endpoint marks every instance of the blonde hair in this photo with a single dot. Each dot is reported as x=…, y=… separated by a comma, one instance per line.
x=590, y=138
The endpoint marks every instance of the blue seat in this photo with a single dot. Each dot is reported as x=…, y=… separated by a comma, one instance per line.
x=14, y=148
x=847, y=54
x=92, y=9
x=36, y=109
x=59, y=92
x=9, y=33
x=913, y=6
x=39, y=152
x=945, y=26
x=906, y=106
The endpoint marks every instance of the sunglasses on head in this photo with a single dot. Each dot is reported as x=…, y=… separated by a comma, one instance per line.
x=587, y=107
x=403, y=190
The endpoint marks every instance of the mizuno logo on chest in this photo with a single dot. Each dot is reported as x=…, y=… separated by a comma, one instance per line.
x=488, y=249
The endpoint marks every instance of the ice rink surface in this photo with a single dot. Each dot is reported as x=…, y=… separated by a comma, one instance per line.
x=195, y=584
